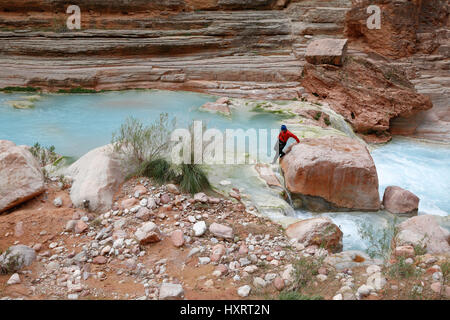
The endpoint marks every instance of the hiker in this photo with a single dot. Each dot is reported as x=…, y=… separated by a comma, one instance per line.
x=283, y=138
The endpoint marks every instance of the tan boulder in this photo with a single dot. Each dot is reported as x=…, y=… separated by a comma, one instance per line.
x=317, y=231
x=326, y=51
x=21, y=177
x=331, y=173
x=96, y=177
x=423, y=231
x=400, y=201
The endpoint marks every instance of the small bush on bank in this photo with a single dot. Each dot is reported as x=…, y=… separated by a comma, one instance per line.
x=78, y=90
x=445, y=269
x=145, y=148
x=402, y=270
x=305, y=269
x=136, y=142
x=193, y=179
x=380, y=240
x=190, y=177
x=11, y=265
x=45, y=155
x=20, y=89
x=294, y=295
x=159, y=169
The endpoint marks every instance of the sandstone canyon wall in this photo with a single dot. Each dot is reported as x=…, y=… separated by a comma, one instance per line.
x=239, y=48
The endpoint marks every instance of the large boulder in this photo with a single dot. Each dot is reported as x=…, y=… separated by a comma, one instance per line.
x=400, y=201
x=366, y=93
x=96, y=177
x=21, y=177
x=423, y=231
x=326, y=51
x=331, y=173
x=16, y=258
x=317, y=231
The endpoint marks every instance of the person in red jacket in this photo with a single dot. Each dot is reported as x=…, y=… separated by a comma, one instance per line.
x=283, y=138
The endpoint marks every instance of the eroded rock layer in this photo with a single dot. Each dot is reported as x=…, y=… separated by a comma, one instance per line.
x=251, y=48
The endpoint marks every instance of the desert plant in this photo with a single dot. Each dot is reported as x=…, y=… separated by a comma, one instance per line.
x=318, y=115
x=20, y=89
x=78, y=90
x=11, y=263
x=45, y=155
x=380, y=240
x=136, y=143
x=294, y=295
x=304, y=271
x=193, y=179
x=401, y=269
x=159, y=169
x=445, y=269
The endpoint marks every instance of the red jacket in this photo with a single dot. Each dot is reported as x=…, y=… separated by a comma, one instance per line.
x=284, y=136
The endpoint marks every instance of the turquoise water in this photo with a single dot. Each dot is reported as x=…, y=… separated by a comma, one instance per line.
x=422, y=168
x=77, y=123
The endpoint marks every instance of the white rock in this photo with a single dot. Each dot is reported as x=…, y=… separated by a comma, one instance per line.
x=250, y=269
x=372, y=269
x=338, y=297
x=15, y=279
x=204, y=260
x=376, y=281
x=244, y=291
x=96, y=177
x=321, y=277
x=201, y=197
x=199, y=228
x=57, y=202
x=191, y=219
x=364, y=291
x=259, y=282
x=171, y=291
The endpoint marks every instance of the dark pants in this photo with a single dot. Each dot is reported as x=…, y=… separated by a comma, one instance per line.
x=281, y=146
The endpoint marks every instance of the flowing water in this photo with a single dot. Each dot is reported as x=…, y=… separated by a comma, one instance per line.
x=77, y=123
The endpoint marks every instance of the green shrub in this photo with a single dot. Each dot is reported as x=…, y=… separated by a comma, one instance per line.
x=78, y=90
x=401, y=269
x=445, y=269
x=304, y=271
x=137, y=143
x=318, y=115
x=159, y=169
x=11, y=265
x=380, y=240
x=45, y=155
x=20, y=89
x=193, y=179
x=327, y=121
x=294, y=295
